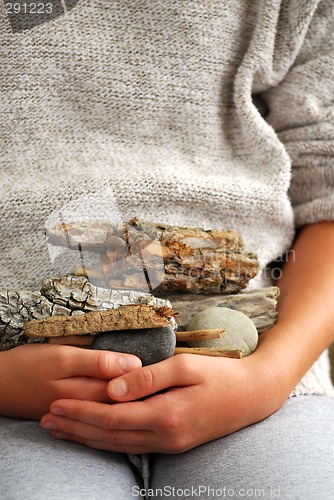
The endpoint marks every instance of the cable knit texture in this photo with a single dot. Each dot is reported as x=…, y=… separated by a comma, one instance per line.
x=186, y=112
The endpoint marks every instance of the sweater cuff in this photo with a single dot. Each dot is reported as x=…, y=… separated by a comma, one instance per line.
x=317, y=210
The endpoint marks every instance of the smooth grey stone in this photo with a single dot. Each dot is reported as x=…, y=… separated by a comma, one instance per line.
x=151, y=345
x=240, y=332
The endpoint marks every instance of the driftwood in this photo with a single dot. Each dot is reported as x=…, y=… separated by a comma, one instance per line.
x=259, y=305
x=145, y=256
x=130, y=317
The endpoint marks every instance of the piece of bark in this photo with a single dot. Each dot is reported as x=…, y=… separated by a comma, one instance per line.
x=77, y=293
x=17, y=307
x=60, y=296
x=259, y=305
x=209, y=351
x=145, y=256
x=129, y=317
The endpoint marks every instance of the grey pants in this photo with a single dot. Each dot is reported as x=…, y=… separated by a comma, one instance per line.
x=289, y=455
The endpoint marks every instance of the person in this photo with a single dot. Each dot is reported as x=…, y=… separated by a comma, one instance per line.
x=150, y=108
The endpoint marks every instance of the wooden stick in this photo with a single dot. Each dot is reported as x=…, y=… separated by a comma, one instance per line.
x=199, y=335
x=208, y=351
x=76, y=340
x=87, y=340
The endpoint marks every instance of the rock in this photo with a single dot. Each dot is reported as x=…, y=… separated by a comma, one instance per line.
x=151, y=345
x=240, y=332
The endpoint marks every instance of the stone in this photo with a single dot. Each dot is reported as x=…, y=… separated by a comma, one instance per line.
x=151, y=345
x=240, y=332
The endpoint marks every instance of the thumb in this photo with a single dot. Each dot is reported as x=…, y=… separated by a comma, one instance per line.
x=180, y=370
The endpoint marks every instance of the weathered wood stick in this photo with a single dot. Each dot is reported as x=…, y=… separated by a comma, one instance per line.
x=123, y=318
x=75, y=340
x=186, y=336
x=208, y=351
x=87, y=340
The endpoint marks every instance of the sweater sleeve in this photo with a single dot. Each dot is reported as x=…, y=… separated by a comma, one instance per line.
x=301, y=110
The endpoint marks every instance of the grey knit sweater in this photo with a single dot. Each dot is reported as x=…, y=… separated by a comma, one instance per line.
x=188, y=112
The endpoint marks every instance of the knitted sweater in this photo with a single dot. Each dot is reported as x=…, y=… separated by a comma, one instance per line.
x=190, y=112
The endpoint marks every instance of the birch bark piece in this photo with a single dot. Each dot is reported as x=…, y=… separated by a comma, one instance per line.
x=145, y=256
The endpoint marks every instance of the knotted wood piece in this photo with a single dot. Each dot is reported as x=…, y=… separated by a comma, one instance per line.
x=144, y=256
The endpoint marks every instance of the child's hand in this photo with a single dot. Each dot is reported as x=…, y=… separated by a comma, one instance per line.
x=32, y=376
x=203, y=398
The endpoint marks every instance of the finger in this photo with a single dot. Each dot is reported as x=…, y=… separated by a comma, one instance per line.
x=94, y=363
x=126, y=416
x=102, y=445
x=112, y=437
x=85, y=388
x=180, y=370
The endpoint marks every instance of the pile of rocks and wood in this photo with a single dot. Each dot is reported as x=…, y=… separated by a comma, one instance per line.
x=198, y=305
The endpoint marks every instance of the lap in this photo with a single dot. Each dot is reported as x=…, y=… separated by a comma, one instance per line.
x=35, y=466
x=289, y=455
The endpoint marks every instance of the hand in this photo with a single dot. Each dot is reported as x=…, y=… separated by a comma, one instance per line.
x=203, y=398
x=34, y=375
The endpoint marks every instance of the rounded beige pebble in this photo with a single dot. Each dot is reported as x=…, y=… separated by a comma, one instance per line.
x=240, y=332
